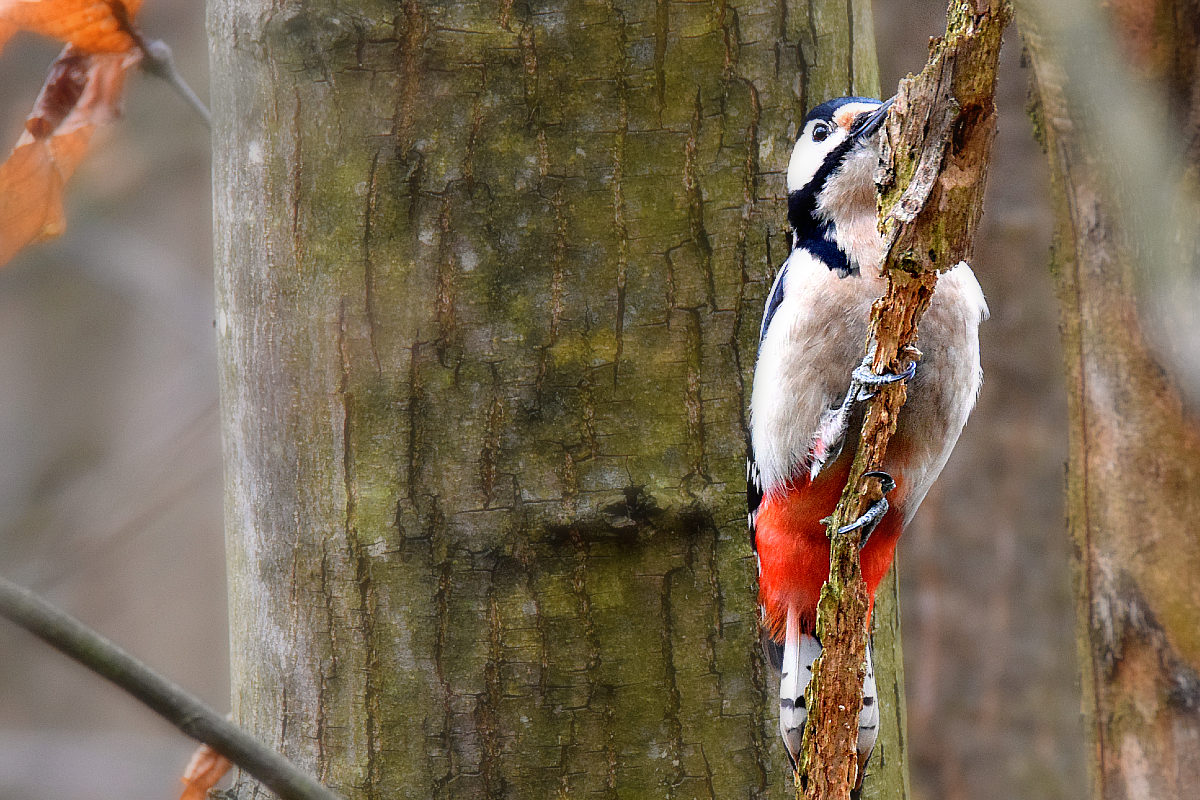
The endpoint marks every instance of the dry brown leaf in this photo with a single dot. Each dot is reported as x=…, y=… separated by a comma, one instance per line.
x=93, y=26
x=203, y=771
x=60, y=93
x=82, y=92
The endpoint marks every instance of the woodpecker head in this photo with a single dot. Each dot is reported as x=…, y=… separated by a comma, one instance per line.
x=831, y=186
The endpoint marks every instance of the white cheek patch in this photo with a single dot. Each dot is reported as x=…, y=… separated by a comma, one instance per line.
x=808, y=156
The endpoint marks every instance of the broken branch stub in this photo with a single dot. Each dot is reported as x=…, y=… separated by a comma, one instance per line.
x=937, y=142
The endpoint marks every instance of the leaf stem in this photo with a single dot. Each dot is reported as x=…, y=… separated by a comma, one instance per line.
x=158, y=60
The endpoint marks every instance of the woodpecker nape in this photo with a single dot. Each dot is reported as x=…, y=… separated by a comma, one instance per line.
x=806, y=409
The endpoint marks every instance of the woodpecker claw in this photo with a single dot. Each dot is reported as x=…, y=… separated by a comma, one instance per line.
x=886, y=482
x=868, y=379
x=872, y=515
x=827, y=441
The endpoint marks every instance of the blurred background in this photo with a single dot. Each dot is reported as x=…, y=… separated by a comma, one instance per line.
x=110, y=481
x=110, y=484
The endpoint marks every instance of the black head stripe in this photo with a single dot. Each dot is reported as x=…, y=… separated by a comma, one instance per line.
x=814, y=235
x=829, y=254
x=809, y=232
x=802, y=203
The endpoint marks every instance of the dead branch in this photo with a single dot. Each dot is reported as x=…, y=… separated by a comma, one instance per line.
x=933, y=171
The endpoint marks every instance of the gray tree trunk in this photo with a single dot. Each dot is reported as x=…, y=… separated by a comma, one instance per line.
x=1135, y=445
x=489, y=281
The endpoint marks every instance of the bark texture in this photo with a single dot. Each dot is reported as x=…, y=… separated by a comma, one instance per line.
x=937, y=149
x=489, y=279
x=1135, y=446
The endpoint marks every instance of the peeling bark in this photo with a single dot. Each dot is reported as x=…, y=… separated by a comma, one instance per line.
x=1135, y=445
x=931, y=197
x=488, y=281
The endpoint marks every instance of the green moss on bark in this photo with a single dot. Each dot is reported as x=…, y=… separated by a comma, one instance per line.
x=489, y=280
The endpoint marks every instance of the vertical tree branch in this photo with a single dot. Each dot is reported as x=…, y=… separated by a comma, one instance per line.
x=935, y=166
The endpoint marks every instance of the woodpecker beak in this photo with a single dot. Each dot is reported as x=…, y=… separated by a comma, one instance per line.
x=871, y=121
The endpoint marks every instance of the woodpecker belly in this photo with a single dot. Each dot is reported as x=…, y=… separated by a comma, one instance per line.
x=793, y=548
x=816, y=334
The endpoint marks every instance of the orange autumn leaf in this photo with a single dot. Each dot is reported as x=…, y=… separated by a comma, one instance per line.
x=203, y=771
x=7, y=29
x=82, y=91
x=93, y=26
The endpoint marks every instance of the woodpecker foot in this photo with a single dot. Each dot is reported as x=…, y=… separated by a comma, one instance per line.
x=872, y=515
x=831, y=432
x=867, y=380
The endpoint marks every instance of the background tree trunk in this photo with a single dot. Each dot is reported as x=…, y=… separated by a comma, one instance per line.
x=489, y=280
x=1135, y=446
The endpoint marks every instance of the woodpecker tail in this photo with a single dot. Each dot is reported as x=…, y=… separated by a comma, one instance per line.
x=868, y=722
x=799, y=652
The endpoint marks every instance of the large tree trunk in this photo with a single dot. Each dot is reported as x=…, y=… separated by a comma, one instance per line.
x=489, y=281
x=1135, y=448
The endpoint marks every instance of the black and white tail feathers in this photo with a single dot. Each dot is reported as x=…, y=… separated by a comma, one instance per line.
x=799, y=652
x=795, y=662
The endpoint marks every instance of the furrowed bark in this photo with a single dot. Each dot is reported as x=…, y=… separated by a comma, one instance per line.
x=931, y=194
x=489, y=281
x=1101, y=71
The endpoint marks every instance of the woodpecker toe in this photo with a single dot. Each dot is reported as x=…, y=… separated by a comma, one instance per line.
x=875, y=512
x=886, y=481
x=869, y=379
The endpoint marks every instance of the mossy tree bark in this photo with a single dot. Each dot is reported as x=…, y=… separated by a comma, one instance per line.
x=489, y=279
x=1135, y=446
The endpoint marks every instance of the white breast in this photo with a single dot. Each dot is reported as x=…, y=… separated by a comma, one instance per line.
x=943, y=392
x=816, y=338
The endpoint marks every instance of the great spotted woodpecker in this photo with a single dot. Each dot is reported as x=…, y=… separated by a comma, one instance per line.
x=804, y=409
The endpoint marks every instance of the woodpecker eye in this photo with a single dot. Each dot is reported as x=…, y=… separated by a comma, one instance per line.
x=820, y=132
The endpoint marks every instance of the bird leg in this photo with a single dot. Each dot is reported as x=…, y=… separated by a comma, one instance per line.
x=831, y=431
x=875, y=512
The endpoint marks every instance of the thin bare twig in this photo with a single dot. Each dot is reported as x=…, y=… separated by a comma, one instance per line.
x=158, y=60
x=171, y=702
